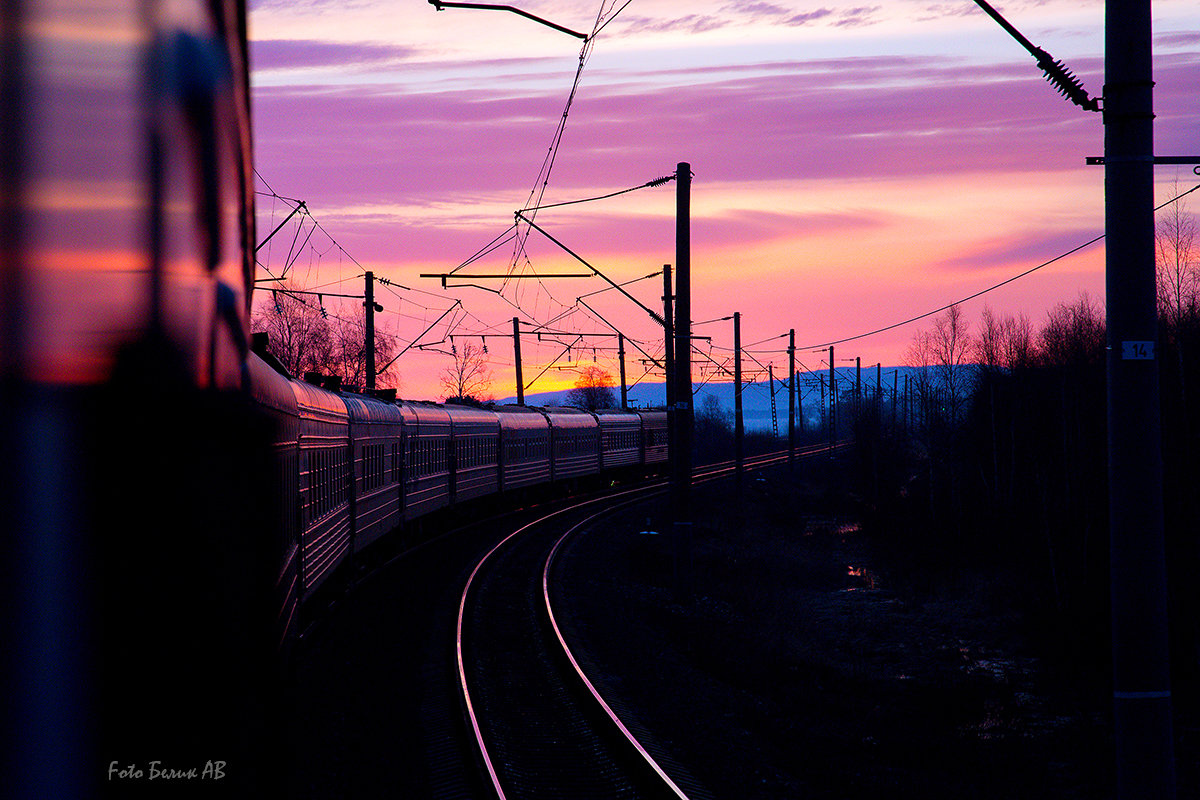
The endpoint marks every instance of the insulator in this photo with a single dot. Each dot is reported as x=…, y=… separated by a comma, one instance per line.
x=1067, y=84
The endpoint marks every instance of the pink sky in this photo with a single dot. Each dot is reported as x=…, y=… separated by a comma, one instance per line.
x=854, y=165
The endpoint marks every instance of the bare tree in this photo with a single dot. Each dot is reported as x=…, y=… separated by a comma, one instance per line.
x=297, y=332
x=1016, y=345
x=306, y=338
x=920, y=356
x=951, y=343
x=1073, y=334
x=989, y=345
x=1003, y=342
x=469, y=377
x=1177, y=262
x=1178, y=271
x=347, y=355
x=593, y=389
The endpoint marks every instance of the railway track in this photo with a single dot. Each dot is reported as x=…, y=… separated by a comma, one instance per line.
x=378, y=707
x=542, y=727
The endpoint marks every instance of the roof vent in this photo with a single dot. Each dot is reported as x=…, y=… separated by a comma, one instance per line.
x=259, y=343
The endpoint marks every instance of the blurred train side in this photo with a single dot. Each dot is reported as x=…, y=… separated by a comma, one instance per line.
x=132, y=587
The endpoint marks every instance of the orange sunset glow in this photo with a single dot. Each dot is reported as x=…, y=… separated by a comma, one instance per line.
x=853, y=168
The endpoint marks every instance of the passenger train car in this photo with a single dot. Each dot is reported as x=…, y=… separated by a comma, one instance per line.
x=170, y=498
x=354, y=467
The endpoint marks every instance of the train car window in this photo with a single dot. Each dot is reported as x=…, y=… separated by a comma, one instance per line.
x=319, y=484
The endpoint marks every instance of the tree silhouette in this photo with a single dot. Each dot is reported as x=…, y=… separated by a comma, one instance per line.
x=1177, y=257
x=307, y=338
x=593, y=389
x=468, y=377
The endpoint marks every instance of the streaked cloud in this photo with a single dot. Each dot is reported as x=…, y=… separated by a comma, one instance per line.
x=1018, y=249
x=290, y=54
x=690, y=23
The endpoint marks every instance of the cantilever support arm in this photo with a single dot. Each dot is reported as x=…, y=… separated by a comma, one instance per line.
x=439, y=5
x=656, y=317
x=657, y=362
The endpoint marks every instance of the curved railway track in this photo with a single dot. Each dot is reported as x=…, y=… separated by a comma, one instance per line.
x=378, y=698
x=542, y=727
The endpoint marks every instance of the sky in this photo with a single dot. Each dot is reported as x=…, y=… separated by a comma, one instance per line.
x=854, y=166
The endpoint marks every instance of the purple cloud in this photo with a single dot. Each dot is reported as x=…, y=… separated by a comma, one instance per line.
x=756, y=8
x=285, y=53
x=1178, y=39
x=807, y=17
x=1028, y=248
x=857, y=17
x=692, y=23
x=833, y=119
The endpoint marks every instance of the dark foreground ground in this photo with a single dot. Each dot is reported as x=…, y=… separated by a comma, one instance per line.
x=794, y=670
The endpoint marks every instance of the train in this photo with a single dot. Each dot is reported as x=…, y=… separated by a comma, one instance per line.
x=171, y=500
x=354, y=467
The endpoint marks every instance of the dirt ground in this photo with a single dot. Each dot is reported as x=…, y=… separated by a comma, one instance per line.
x=793, y=670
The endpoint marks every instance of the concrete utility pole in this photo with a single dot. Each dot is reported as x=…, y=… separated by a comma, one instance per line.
x=669, y=356
x=771, y=383
x=621, y=358
x=738, y=427
x=832, y=403
x=517, y=359
x=823, y=409
x=369, y=345
x=792, y=396
x=1141, y=669
x=857, y=384
x=681, y=456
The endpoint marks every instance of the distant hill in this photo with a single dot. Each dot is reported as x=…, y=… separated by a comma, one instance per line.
x=756, y=397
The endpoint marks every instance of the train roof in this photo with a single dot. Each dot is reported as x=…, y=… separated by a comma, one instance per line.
x=568, y=417
x=364, y=408
x=313, y=399
x=521, y=418
x=470, y=416
x=425, y=412
x=269, y=386
x=611, y=417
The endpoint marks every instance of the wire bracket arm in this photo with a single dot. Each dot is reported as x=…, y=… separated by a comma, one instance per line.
x=439, y=5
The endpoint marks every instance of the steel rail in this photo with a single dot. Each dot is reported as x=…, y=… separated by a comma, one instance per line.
x=721, y=470
x=566, y=649
x=711, y=472
x=462, y=606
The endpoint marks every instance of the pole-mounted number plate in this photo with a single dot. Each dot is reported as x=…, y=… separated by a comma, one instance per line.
x=1137, y=351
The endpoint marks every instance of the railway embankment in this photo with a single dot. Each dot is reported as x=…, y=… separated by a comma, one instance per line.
x=788, y=657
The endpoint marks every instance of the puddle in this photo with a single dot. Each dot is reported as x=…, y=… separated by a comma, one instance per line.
x=862, y=577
